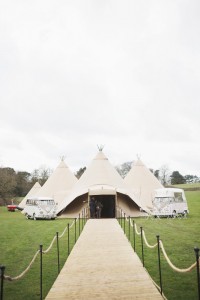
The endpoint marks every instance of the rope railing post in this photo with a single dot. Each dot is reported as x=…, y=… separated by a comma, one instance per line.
x=197, y=264
x=58, y=252
x=82, y=220
x=79, y=227
x=41, y=272
x=124, y=222
x=129, y=228
x=159, y=263
x=68, y=250
x=81, y=214
x=75, y=230
x=85, y=215
x=141, y=234
x=117, y=216
x=121, y=217
x=134, y=235
x=2, y=270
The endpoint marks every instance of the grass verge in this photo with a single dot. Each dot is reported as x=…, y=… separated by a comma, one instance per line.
x=179, y=237
x=19, y=240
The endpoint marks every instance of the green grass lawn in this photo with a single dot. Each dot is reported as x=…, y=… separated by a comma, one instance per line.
x=179, y=237
x=20, y=239
x=187, y=186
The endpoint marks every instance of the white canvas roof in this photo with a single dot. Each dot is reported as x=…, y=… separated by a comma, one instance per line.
x=59, y=184
x=102, y=189
x=143, y=182
x=99, y=178
x=33, y=191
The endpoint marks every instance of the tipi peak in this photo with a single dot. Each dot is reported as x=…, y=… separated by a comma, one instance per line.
x=100, y=147
x=62, y=164
x=62, y=157
x=100, y=156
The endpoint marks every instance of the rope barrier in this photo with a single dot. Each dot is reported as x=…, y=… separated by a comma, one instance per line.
x=160, y=245
x=163, y=250
x=148, y=245
x=62, y=234
x=138, y=233
x=172, y=265
x=9, y=278
x=50, y=246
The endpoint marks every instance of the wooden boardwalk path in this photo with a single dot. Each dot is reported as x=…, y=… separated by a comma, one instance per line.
x=103, y=265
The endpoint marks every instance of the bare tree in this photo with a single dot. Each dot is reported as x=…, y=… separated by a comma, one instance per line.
x=164, y=175
x=41, y=175
x=124, y=168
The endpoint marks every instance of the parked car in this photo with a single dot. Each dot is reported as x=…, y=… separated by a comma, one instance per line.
x=40, y=208
x=11, y=207
x=170, y=202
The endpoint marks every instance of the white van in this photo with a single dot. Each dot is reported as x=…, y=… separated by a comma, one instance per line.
x=170, y=202
x=40, y=208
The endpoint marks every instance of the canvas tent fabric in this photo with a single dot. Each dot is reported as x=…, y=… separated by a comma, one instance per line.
x=33, y=191
x=59, y=184
x=100, y=178
x=99, y=172
x=143, y=183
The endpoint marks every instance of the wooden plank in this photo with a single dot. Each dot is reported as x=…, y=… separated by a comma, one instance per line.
x=103, y=265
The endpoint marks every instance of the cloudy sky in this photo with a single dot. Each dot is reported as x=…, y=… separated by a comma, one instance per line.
x=77, y=74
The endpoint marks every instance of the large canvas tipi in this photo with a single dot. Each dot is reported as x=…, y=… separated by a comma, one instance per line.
x=102, y=181
x=143, y=182
x=59, y=184
x=33, y=191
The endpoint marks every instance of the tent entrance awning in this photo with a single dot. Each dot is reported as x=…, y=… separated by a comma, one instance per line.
x=101, y=189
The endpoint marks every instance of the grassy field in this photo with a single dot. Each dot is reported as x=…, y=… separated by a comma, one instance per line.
x=20, y=239
x=179, y=237
x=185, y=186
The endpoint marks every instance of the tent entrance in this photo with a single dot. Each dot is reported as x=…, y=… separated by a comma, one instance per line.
x=108, y=205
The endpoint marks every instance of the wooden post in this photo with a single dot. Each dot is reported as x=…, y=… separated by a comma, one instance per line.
x=41, y=296
x=142, y=246
x=58, y=252
x=2, y=270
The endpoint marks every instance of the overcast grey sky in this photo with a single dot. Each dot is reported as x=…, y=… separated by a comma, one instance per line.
x=125, y=74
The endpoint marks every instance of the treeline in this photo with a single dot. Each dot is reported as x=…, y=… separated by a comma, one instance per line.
x=18, y=184
x=163, y=174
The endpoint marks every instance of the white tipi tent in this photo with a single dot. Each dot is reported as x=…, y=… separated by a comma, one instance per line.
x=102, y=180
x=142, y=181
x=59, y=184
x=33, y=191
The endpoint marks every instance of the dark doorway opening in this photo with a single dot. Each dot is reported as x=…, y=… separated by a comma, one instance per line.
x=108, y=205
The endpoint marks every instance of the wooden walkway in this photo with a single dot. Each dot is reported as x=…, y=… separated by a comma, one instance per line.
x=103, y=265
